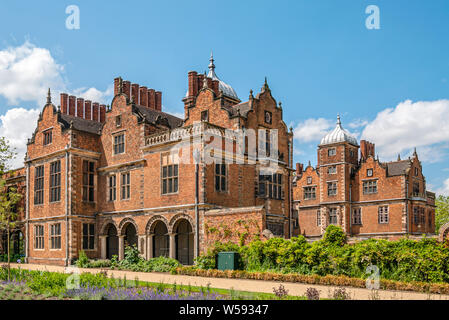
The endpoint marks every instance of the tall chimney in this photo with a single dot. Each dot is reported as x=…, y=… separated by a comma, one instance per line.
x=215, y=86
x=151, y=99
x=193, y=83
x=127, y=88
x=95, y=111
x=64, y=103
x=80, y=108
x=102, y=113
x=72, y=107
x=116, y=84
x=143, y=96
x=88, y=110
x=135, y=93
x=158, y=101
x=299, y=169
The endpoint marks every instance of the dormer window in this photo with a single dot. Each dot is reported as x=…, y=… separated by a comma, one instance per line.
x=309, y=180
x=369, y=172
x=48, y=137
x=331, y=152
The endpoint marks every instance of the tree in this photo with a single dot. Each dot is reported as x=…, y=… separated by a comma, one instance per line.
x=9, y=211
x=441, y=212
x=9, y=198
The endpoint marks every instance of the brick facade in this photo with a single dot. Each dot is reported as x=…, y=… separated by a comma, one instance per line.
x=372, y=198
x=114, y=182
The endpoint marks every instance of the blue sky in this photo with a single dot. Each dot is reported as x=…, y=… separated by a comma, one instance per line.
x=319, y=58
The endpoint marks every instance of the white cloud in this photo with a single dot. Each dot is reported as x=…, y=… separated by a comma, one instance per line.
x=312, y=129
x=17, y=126
x=96, y=95
x=444, y=190
x=26, y=73
x=411, y=124
x=357, y=123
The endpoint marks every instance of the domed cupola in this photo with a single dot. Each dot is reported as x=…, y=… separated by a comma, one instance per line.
x=222, y=86
x=338, y=135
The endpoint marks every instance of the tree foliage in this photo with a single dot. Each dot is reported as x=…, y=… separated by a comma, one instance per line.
x=441, y=212
x=426, y=260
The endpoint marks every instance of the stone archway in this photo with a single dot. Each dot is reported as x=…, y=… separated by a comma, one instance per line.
x=184, y=241
x=130, y=233
x=110, y=231
x=444, y=232
x=161, y=243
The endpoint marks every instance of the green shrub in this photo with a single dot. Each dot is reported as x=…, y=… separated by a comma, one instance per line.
x=83, y=260
x=426, y=260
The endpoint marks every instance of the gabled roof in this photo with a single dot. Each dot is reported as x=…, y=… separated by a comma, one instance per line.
x=153, y=116
x=81, y=124
x=397, y=168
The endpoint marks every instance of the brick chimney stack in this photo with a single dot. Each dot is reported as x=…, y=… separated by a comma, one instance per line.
x=143, y=96
x=158, y=106
x=95, y=111
x=80, y=108
x=127, y=88
x=102, y=113
x=64, y=103
x=299, y=169
x=72, y=107
x=152, y=99
x=88, y=110
x=367, y=149
x=135, y=93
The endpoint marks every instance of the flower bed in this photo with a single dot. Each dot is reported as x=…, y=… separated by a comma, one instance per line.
x=434, y=288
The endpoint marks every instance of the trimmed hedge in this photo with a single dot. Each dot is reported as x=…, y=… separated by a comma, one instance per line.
x=434, y=288
x=405, y=260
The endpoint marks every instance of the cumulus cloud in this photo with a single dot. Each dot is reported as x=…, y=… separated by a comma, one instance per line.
x=408, y=125
x=17, y=126
x=26, y=73
x=312, y=129
x=95, y=95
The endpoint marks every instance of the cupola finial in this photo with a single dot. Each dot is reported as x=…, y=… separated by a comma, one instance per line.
x=338, y=120
x=211, y=64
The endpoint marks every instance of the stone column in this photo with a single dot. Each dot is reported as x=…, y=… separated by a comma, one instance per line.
x=172, y=245
x=121, y=247
x=103, y=247
x=150, y=239
x=142, y=245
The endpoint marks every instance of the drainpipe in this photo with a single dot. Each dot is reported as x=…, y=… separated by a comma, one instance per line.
x=27, y=213
x=289, y=205
x=350, y=210
x=197, y=218
x=66, y=208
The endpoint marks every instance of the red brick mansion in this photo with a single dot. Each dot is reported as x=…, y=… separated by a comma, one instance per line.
x=364, y=196
x=98, y=178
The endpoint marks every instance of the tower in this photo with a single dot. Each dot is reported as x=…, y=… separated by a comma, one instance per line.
x=337, y=162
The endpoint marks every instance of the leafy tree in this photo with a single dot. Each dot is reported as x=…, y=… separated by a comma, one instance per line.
x=9, y=197
x=7, y=154
x=441, y=212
